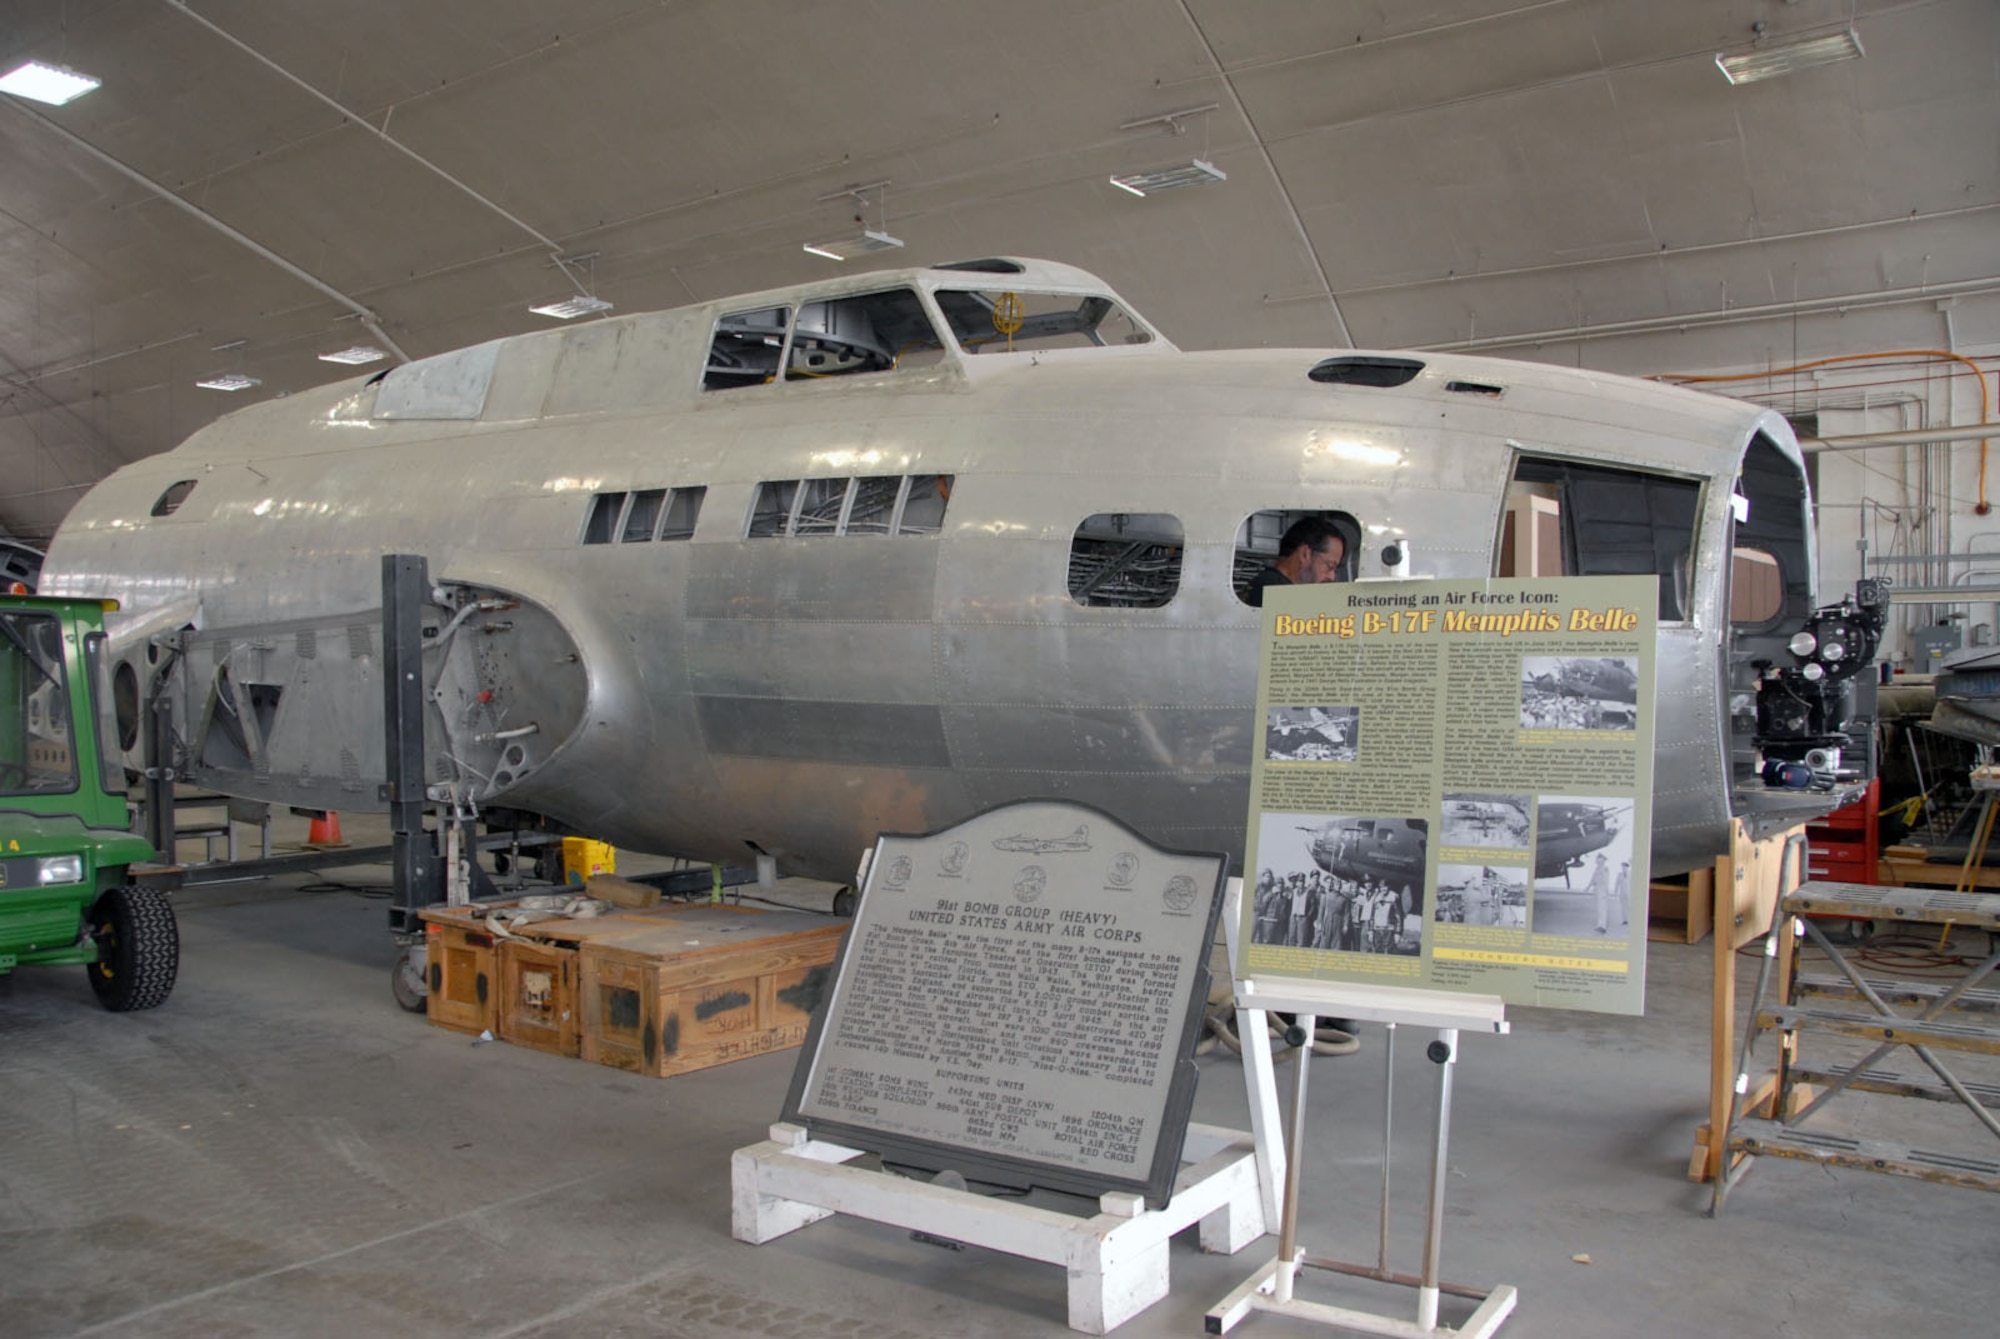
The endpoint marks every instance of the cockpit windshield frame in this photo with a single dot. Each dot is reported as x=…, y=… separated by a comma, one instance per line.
x=1005, y=320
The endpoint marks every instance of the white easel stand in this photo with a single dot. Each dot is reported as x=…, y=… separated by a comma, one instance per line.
x=1271, y=1288
x=1116, y=1261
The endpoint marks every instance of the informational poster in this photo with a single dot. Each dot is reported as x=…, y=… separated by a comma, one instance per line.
x=1455, y=788
x=1018, y=1000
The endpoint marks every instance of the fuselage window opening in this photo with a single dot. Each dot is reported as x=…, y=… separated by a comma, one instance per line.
x=683, y=511
x=745, y=348
x=600, y=526
x=1769, y=561
x=1569, y=519
x=641, y=516
x=170, y=501
x=828, y=337
x=870, y=332
x=1756, y=587
x=924, y=500
x=1007, y=321
x=1257, y=541
x=871, y=505
x=1126, y=560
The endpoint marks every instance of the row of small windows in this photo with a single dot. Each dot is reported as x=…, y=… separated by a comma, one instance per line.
x=643, y=515
x=910, y=504
x=1562, y=519
x=880, y=505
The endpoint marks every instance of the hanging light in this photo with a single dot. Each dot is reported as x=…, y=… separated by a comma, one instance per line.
x=1768, y=60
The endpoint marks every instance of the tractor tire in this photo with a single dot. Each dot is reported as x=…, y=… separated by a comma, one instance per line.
x=138, y=946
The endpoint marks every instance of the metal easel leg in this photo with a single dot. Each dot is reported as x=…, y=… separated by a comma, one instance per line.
x=1388, y=1130
x=1444, y=1052
x=1288, y=1234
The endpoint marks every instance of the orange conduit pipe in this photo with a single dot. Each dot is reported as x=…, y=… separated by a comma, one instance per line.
x=1978, y=378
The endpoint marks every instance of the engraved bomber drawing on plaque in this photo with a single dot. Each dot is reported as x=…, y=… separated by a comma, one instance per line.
x=1019, y=1000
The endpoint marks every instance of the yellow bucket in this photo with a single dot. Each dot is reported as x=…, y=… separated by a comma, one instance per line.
x=583, y=857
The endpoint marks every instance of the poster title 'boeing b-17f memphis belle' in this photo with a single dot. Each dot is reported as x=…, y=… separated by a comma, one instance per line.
x=787, y=571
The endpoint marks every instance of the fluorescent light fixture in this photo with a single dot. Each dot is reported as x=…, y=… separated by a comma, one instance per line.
x=354, y=357
x=849, y=248
x=228, y=381
x=1768, y=60
x=1194, y=172
x=53, y=84
x=571, y=308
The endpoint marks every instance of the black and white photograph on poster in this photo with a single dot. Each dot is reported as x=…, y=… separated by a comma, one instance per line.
x=1583, y=866
x=1580, y=693
x=1492, y=822
x=1483, y=895
x=1312, y=734
x=1353, y=885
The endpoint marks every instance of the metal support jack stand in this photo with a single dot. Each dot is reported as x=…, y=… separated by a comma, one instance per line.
x=1273, y=1287
x=158, y=745
x=419, y=875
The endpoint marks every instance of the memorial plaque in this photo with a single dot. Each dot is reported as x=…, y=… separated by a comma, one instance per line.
x=1018, y=1000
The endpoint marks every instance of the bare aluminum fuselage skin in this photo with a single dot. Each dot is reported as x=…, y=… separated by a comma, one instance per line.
x=806, y=694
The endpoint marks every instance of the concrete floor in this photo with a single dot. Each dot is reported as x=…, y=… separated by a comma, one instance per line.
x=280, y=1150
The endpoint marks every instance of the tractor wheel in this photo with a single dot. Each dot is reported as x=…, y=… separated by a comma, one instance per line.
x=138, y=948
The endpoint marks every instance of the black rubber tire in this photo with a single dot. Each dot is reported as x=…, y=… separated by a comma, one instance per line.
x=407, y=985
x=139, y=948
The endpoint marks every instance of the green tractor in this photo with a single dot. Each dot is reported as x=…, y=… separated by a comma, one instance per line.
x=76, y=885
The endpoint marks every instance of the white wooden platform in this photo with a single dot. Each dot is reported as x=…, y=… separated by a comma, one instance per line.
x=1116, y=1261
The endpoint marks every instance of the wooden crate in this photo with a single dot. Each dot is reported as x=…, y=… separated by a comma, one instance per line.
x=714, y=985
x=459, y=954
x=467, y=972
x=537, y=993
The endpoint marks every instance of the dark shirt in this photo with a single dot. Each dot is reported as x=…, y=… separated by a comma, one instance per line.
x=1269, y=576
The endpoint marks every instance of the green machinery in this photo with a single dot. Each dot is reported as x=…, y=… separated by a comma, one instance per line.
x=76, y=885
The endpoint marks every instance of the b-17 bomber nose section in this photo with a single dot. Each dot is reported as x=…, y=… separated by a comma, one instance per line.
x=509, y=686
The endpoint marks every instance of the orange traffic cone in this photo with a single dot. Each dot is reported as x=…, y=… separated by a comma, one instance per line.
x=325, y=831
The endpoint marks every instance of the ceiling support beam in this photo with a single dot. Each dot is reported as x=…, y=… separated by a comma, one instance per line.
x=1767, y=311
x=1277, y=179
x=367, y=317
x=554, y=247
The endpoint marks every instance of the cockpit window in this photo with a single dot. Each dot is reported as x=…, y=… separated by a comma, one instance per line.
x=872, y=332
x=746, y=348
x=831, y=337
x=1007, y=321
x=1569, y=519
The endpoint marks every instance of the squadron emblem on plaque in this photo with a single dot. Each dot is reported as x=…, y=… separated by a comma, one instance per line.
x=1180, y=893
x=1124, y=868
x=1032, y=881
x=899, y=872
x=953, y=860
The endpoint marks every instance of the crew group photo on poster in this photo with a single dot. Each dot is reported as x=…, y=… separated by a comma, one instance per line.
x=1351, y=885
